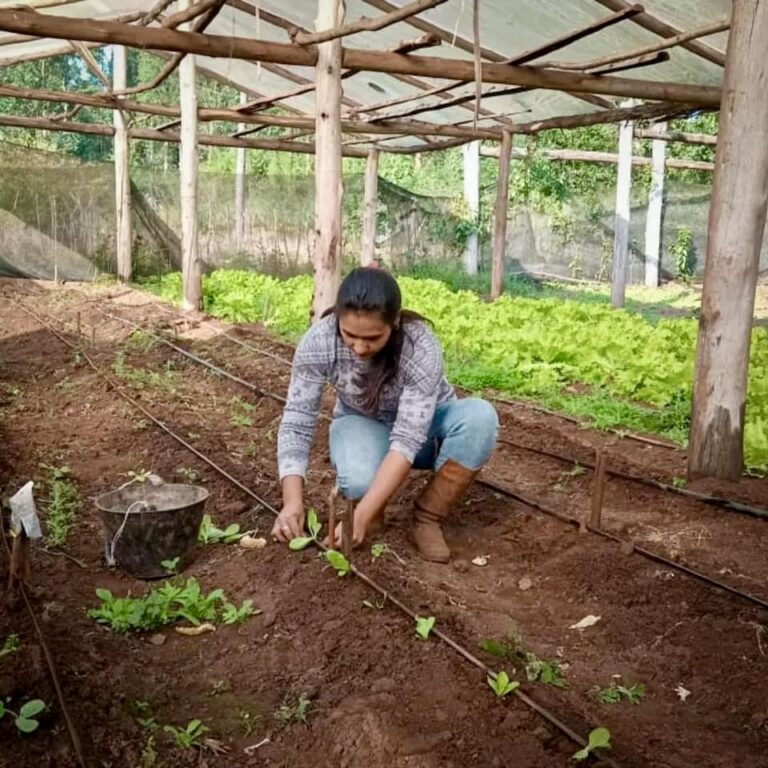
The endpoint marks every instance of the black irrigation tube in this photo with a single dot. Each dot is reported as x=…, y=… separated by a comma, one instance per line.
x=71, y=730
x=719, y=501
x=504, y=490
x=512, y=494
x=461, y=650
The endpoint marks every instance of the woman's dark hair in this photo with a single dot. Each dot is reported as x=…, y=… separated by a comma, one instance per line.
x=371, y=289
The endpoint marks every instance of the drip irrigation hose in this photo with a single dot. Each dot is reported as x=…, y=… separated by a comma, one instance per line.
x=466, y=654
x=719, y=501
x=529, y=502
x=73, y=735
x=512, y=494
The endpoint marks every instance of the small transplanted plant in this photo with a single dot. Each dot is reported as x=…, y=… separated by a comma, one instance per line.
x=25, y=719
x=424, y=626
x=240, y=410
x=501, y=685
x=189, y=737
x=618, y=690
x=189, y=474
x=338, y=562
x=211, y=534
x=297, y=713
x=599, y=738
x=536, y=669
x=171, y=566
x=10, y=645
x=314, y=526
x=65, y=503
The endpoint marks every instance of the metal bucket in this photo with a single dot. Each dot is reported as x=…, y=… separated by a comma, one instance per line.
x=148, y=524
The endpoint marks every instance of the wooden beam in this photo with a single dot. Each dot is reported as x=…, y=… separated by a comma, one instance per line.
x=670, y=42
x=684, y=138
x=575, y=35
x=620, y=268
x=370, y=208
x=364, y=24
x=609, y=158
x=124, y=233
x=108, y=101
x=500, y=217
x=658, y=27
x=653, y=218
x=477, y=58
x=737, y=217
x=192, y=280
x=190, y=12
x=416, y=44
x=149, y=134
x=328, y=178
x=218, y=46
x=35, y=4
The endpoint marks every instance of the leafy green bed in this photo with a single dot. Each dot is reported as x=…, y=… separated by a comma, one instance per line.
x=613, y=368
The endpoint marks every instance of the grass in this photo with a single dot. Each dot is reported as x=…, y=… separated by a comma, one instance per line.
x=64, y=505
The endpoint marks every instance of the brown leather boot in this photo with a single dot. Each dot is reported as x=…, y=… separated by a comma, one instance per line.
x=442, y=493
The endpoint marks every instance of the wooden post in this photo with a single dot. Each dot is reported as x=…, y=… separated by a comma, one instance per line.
x=736, y=225
x=190, y=264
x=347, y=528
x=368, y=250
x=598, y=490
x=240, y=185
x=655, y=208
x=621, y=227
x=123, y=234
x=500, y=217
x=328, y=182
x=472, y=199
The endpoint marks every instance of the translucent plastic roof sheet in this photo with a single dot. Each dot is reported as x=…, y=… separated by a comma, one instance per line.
x=507, y=27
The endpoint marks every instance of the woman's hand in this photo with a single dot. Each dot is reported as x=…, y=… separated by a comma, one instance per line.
x=363, y=522
x=289, y=523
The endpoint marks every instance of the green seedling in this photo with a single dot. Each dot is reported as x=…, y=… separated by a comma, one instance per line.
x=172, y=566
x=247, y=721
x=149, y=754
x=238, y=403
x=424, y=626
x=297, y=713
x=339, y=563
x=142, y=378
x=189, y=474
x=577, y=471
x=377, y=550
x=617, y=691
x=210, y=534
x=140, y=425
x=679, y=482
x=241, y=420
x=231, y=614
x=188, y=737
x=501, y=685
x=252, y=449
x=314, y=526
x=498, y=648
x=141, y=339
x=65, y=503
x=10, y=645
x=169, y=603
x=15, y=391
x=138, y=475
x=26, y=718
x=545, y=672
x=599, y=738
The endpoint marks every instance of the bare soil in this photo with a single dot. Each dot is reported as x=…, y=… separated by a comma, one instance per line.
x=379, y=695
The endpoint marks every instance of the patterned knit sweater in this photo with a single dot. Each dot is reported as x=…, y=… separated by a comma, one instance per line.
x=406, y=403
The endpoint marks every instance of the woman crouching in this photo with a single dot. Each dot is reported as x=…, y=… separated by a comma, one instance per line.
x=394, y=410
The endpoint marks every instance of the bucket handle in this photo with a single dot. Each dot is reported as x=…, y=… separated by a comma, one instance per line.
x=109, y=549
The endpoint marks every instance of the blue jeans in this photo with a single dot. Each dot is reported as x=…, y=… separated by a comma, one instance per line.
x=462, y=430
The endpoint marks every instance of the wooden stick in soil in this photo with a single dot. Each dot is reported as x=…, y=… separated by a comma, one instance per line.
x=348, y=528
x=598, y=490
x=19, y=568
x=332, y=497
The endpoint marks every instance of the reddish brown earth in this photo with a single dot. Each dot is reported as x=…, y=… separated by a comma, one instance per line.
x=379, y=696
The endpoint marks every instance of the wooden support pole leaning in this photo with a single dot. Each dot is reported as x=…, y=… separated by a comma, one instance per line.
x=472, y=200
x=192, y=298
x=736, y=224
x=240, y=168
x=598, y=490
x=653, y=219
x=500, y=217
x=621, y=225
x=328, y=180
x=123, y=208
x=371, y=204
